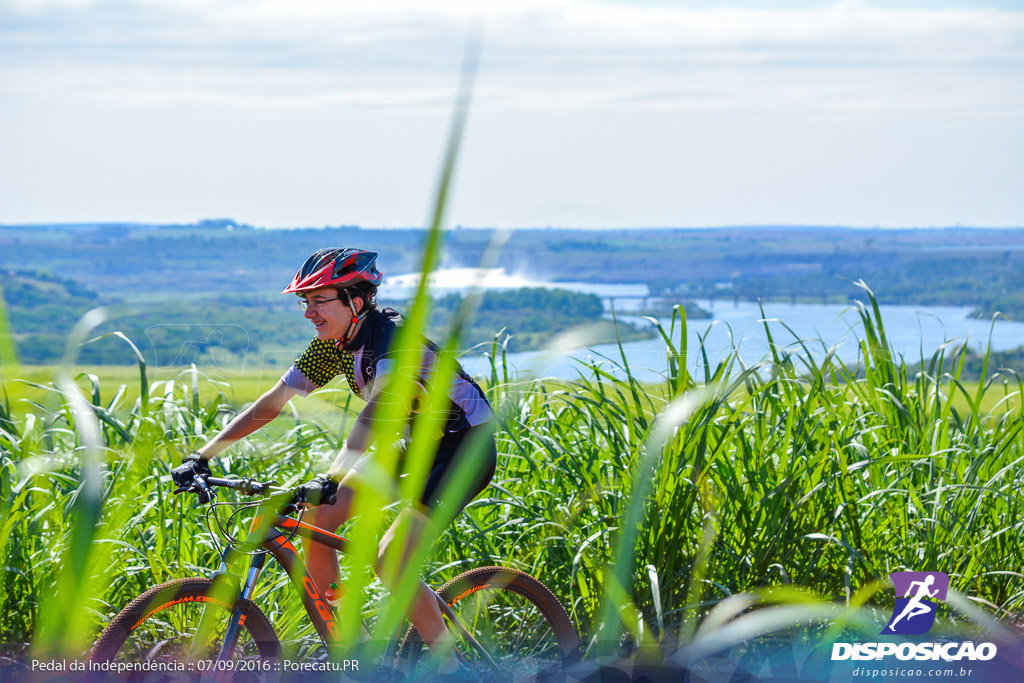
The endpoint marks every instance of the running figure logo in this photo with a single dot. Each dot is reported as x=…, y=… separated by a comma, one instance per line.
x=917, y=598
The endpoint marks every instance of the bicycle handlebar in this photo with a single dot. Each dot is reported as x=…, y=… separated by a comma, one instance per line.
x=202, y=485
x=247, y=486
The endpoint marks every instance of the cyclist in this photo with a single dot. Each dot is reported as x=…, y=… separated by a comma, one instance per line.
x=337, y=290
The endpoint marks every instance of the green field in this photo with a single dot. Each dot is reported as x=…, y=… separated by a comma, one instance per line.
x=333, y=402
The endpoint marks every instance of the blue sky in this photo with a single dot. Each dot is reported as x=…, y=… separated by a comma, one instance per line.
x=586, y=114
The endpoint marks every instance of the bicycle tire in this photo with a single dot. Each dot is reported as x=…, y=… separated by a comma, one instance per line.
x=524, y=627
x=153, y=626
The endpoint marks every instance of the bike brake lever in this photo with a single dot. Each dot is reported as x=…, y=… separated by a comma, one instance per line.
x=264, y=487
x=203, y=492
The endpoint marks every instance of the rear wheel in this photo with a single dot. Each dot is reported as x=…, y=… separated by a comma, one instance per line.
x=167, y=629
x=514, y=617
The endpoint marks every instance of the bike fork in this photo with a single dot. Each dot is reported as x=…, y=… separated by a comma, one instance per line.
x=227, y=649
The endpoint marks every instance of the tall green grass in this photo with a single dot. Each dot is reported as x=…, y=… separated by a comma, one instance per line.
x=641, y=506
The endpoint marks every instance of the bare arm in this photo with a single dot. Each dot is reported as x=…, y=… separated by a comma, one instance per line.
x=262, y=411
x=360, y=437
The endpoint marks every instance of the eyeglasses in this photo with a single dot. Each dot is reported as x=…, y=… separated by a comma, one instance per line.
x=303, y=304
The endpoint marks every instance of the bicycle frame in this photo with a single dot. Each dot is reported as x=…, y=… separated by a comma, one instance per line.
x=277, y=543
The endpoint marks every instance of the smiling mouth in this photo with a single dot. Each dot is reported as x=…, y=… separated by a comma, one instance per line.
x=320, y=324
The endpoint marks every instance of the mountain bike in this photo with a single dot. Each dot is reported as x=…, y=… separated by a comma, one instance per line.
x=505, y=624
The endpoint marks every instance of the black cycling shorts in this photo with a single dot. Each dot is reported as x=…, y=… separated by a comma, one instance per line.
x=451, y=450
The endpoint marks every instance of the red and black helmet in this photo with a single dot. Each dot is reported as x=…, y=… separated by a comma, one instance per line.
x=336, y=268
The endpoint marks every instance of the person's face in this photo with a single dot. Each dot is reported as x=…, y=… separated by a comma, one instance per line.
x=329, y=313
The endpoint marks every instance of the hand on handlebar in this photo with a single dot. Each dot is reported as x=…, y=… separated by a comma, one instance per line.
x=190, y=476
x=191, y=465
x=322, y=490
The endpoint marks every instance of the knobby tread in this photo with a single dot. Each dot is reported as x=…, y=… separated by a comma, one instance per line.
x=115, y=634
x=517, y=581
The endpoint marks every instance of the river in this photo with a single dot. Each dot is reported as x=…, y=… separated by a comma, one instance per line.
x=913, y=332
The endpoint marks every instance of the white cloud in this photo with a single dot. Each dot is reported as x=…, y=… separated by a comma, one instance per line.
x=582, y=108
x=537, y=53
x=581, y=31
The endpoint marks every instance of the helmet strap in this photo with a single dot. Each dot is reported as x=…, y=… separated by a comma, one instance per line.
x=356, y=317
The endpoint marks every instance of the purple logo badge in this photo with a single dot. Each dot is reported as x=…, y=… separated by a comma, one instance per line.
x=917, y=599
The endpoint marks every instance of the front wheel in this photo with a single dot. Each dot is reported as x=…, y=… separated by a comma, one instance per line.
x=513, y=616
x=167, y=628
